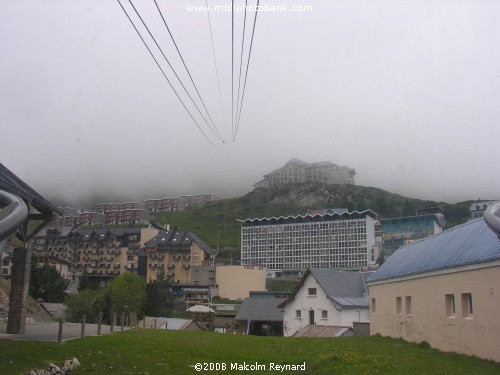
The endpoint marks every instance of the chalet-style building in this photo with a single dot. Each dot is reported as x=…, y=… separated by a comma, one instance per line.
x=102, y=253
x=177, y=252
x=330, y=298
x=443, y=289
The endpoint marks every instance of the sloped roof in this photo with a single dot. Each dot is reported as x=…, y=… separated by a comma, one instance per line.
x=13, y=184
x=177, y=237
x=323, y=331
x=261, y=309
x=346, y=288
x=470, y=243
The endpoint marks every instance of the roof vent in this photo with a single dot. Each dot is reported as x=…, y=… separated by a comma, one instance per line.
x=492, y=218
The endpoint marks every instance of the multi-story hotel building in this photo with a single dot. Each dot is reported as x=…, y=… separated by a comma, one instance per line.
x=298, y=171
x=101, y=253
x=130, y=216
x=105, y=207
x=288, y=246
x=177, y=252
x=92, y=218
x=399, y=231
x=165, y=204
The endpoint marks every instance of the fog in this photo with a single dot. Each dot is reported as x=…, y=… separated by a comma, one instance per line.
x=405, y=92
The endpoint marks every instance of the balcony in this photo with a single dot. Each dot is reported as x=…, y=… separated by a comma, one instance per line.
x=187, y=266
x=171, y=266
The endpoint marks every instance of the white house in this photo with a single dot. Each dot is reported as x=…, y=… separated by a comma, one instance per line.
x=329, y=298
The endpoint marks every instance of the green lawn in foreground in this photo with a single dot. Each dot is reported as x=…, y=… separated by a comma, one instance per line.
x=172, y=352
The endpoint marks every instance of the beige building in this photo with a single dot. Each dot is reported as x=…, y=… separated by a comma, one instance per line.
x=177, y=252
x=101, y=253
x=296, y=170
x=444, y=290
x=236, y=282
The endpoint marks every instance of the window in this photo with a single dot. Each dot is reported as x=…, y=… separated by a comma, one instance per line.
x=374, y=306
x=324, y=314
x=408, y=305
x=398, y=305
x=467, y=310
x=298, y=314
x=312, y=291
x=450, y=305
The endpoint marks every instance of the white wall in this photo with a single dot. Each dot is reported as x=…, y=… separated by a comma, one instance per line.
x=336, y=315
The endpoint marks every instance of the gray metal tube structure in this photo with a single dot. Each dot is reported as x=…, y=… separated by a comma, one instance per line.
x=492, y=217
x=13, y=214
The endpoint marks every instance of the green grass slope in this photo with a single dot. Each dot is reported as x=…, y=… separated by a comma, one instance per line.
x=176, y=352
x=206, y=220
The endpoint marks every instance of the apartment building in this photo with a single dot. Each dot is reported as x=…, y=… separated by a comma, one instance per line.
x=288, y=246
x=105, y=207
x=399, y=231
x=296, y=170
x=127, y=216
x=177, y=252
x=101, y=253
x=165, y=204
x=92, y=218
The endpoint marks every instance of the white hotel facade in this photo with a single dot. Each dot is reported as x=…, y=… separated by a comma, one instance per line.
x=288, y=246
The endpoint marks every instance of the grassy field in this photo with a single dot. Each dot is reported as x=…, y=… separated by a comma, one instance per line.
x=176, y=352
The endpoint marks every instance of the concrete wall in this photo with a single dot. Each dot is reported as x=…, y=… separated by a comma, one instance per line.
x=430, y=320
x=336, y=316
x=361, y=328
x=236, y=282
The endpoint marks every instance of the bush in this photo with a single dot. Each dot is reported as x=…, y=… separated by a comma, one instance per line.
x=87, y=302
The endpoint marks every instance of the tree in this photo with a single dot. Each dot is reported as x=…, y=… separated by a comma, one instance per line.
x=159, y=299
x=126, y=290
x=47, y=283
x=88, y=302
x=86, y=283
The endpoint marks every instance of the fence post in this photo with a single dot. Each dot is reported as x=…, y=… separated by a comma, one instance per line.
x=113, y=322
x=99, y=322
x=60, y=332
x=144, y=323
x=122, y=321
x=82, y=334
x=155, y=324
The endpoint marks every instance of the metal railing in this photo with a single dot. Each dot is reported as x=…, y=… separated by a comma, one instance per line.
x=13, y=214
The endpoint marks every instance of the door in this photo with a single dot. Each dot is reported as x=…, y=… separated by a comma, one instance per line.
x=311, y=317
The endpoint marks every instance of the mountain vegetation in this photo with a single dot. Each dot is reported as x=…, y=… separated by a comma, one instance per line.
x=216, y=222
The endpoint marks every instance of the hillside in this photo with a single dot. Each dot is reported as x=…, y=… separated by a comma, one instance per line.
x=34, y=312
x=294, y=199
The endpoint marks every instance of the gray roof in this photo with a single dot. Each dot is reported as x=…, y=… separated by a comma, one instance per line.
x=466, y=244
x=177, y=237
x=11, y=183
x=261, y=309
x=346, y=288
x=62, y=231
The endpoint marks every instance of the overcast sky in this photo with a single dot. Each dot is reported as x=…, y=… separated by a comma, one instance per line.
x=405, y=92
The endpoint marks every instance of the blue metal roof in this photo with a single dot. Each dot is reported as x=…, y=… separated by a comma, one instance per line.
x=466, y=244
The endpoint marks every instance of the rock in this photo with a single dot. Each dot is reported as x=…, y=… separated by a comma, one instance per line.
x=32, y=372
x=76, y=362
x=54, y=369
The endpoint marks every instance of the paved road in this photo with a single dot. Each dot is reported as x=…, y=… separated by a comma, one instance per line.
x=48, y=331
